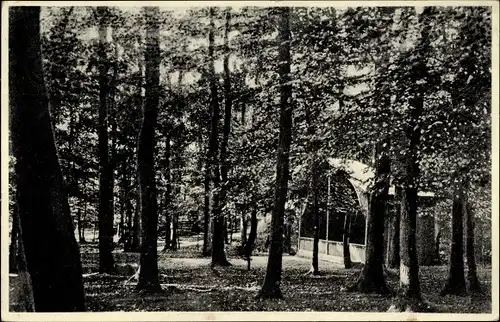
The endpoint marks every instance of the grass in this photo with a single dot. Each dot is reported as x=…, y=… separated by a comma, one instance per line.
x=191, y=285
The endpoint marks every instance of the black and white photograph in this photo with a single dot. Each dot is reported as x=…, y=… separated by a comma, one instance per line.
x=215, y=158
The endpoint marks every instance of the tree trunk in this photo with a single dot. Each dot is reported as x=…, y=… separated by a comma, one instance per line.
x=175, y=237
x=148, y=276
x=226, y=130
x=244, y=227
x=46, y=227
x=345, y=241
x=106, y=262
x=79, y=222
x=372, y=277
x=409, y=297
x=456, y=277
x=271, y=285
x=250, y=244
x=168, y=192
x=394, y=248
x=207, y=249
x=315, y=257
x=218, y=252
x=474, y=286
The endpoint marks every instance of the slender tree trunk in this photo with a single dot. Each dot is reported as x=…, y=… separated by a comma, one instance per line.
x=372, y=277
x=206, y=211
x=218, y=253
x=474, y=286
x=394, y=248
x=79, y=222
x=250, y=244
x=271, y=285
x=175, y=237
x=46, y=227
x=345, y=241
x=106, y=262
x=136, y=226
x=226, y=130
x=168, y=191
x=148, y=276
x=244, y=227
x=315, y=258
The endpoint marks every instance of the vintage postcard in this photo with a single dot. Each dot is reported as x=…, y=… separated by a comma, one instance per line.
x=249, y=160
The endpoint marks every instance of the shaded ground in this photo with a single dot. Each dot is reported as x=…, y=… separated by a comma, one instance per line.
x=191, y=285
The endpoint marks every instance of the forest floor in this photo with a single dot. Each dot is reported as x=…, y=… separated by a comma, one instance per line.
x=190, y=284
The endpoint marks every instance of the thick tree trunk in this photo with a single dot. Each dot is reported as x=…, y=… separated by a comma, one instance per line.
x=52, y=253
x=271, y=285
x=106, y=261
x=409, y=297
x=474, y=286
x=345, y=241
x=456, y=277
x=394, y=248
x=218, y=252
x=372, y=277
x=148, y=276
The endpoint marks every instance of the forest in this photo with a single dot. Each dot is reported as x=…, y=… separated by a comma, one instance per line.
x=173, y=159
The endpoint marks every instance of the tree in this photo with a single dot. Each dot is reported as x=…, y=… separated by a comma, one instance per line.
x=271, y=285
x=393, y=257
x=52, y=254
x=409, y=296
x=218, y=253
x=148, y=277
x=372, y=278
x=106, y=262
x=456, y=278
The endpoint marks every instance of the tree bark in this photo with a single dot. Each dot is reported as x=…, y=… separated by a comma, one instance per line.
x=244, y=227
x=207, y=249
x=148, y=276
x=456, y=277
x=372, y=277
x=409, y=297
x=315, y=257
x=474, y=285
x=271, y=285
x=345, y=241
x=106, y=261
x=394, y=248
x=168, y=190
x=218, y=252
x=52, y=253
x=226, y=130
x=250, y=244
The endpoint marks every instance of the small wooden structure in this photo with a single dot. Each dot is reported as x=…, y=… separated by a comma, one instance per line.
x=343, y=203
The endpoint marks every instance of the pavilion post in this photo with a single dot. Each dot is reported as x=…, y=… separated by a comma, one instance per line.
x=328, y=209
